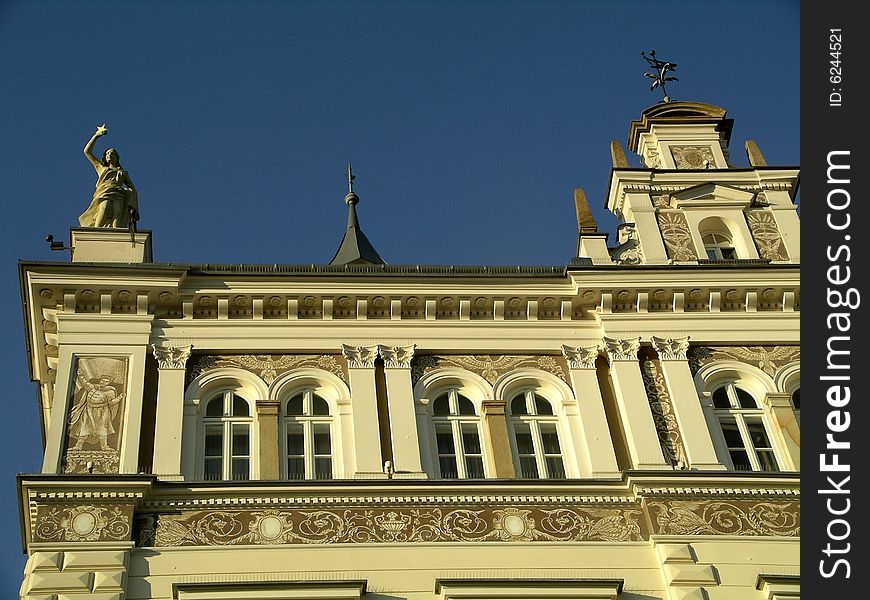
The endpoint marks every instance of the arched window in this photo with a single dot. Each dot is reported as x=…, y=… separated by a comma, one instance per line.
x=743, y=428
x=457, y=437
x=796, y=403
x=535, y=432
x=226, y=427
x=719, y=246
x=308, y=436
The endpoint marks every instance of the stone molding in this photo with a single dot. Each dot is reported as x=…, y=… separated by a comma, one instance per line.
x=266, y=366
x=671, y=348
x=171, y=357
x=581, y=357
x=488, y=366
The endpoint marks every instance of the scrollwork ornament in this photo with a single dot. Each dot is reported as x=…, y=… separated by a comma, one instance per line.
x=171, y=357
x=621, y=349
x=397, y=357
x=360, y=357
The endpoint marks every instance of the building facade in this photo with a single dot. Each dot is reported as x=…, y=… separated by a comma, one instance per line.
x=625, y=426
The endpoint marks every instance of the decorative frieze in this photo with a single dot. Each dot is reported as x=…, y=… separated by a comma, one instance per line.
x=266, y=366
x=671, y=348
x=95, y=423
x=397, y=357
x=676, y=235
x=766, y=234
x=767, y=358
x=360, y=357
x=404, y=524
x=82, y=523
x=618, y=349
x=736, y=517
x=583, y=357
x=171, y=357
x=490, y=367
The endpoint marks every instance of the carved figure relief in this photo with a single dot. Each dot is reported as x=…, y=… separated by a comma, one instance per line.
x=490, y=367
x=767, y=358
x=663, y=414
x=677, y=236
x=94, y=425
x=766, y=235
x=693, y=157
x=266, y=366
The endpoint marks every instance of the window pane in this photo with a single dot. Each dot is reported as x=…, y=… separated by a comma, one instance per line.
x=720, y=398
x=757, y=433
x=295, y=441
x=518, y=405
x=740, y=460
x=745, y=398
x=733, y=439
x=524, y=439
x=240, y=407
x=214, y=441
x=440, y=407
x=213, y=469
x=474, y=467
x=767, y=460
x=470, y=438
x=295, y=468
x=448, y=467
x=241, y=439
x=445, y=442
x=215, y=407
x=319, y=405
x=711, y=253
x=528, y=467
x=555, y=468
x=322, y=443
x=542, y=406
x=323, y=468
x=466, y=406
x=294, y=405
x=550, y=438
x=240, y=469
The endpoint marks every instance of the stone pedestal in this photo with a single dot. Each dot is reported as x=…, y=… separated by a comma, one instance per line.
x=104, y=244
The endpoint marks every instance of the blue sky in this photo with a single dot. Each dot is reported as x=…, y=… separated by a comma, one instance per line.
x=469, y=124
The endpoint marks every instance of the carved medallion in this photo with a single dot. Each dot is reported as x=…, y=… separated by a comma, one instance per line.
x=693, y=157
x=82, y=523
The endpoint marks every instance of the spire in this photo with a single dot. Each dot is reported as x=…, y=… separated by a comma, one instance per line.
x=355, y=247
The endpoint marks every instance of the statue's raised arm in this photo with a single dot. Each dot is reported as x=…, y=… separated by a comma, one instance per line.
x=115, y=199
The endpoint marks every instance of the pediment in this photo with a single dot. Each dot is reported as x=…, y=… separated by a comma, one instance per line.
x=710, y=194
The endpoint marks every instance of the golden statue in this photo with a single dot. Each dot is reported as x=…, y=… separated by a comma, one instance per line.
x=115, y=200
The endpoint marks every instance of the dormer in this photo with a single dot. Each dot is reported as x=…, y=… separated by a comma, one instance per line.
x=688, y=205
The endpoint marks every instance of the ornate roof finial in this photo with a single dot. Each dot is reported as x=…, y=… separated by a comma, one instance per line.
x=351, y=197
x=660, y=76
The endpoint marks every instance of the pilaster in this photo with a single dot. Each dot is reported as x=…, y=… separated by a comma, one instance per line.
x=697, y=442
x=786, y=427
x=497, y=438
x=267, y=433
x=640, y=430
x=586, y=417
x=403, y=422
x=364, y=405
x=171, y=362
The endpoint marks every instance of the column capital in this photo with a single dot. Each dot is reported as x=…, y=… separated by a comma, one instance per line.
x=171, y=357
x=360, y=357
x=671, y=348
x=582, y=357
x=397, y=357
x=621, y=350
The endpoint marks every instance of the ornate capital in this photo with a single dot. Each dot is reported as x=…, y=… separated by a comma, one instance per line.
x=171, y=357
x=360, y=357
x=397, y=357
x=671, y=348
x=582, y=357
x=621, y=349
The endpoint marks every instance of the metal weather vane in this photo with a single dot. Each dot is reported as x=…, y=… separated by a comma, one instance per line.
x=660, y=74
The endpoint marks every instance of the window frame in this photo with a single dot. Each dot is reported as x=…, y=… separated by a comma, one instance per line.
x=309, y=422
x=455, y=421
x=534, y=421
x=739, y=415
x=227, y=422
